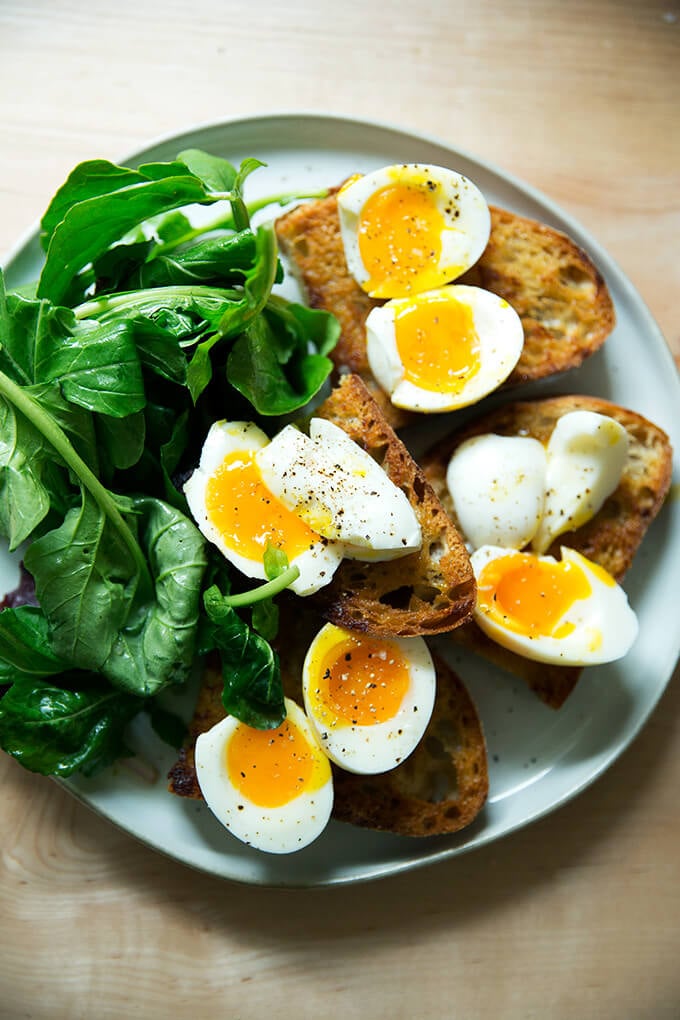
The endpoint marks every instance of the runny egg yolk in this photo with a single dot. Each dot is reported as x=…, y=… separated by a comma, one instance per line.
x=248, y=515
x=400, y=237
x=361, y=681
x=437, y=343
x=529, y=595
x=270, y=768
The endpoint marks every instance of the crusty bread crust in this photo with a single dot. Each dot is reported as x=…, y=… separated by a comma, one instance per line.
x=439, y=788
x=611, y=538
x=427, y=592
x=560, y=296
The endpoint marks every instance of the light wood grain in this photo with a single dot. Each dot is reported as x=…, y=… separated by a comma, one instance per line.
x=577, y=915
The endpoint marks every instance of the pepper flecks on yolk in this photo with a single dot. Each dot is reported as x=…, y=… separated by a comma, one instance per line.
x=437, y=343
x=273, y=767
x=361, y=681
x=400, y=238
x=531, y=596
x=248, y=515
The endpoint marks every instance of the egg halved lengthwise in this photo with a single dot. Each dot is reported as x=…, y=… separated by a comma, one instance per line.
x=272, y=789
x=368, y=699
x=411, y=227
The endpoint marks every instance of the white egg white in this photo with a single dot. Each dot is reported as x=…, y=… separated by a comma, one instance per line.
x=465, y=217
x=316, y=564
x=501, y=339
x=497, y=484
x=277, y=830
x=586, y=455
x=604, y=625
x=376, y=748
x=340, y=491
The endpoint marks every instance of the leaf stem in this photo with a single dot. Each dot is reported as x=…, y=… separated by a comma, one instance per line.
x=264, y=591
x=135, y=299
x=48, y=427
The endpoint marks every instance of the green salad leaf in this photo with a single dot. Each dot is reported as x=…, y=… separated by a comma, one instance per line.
x=58, y=729
x=143, y=329
x=253, y=691
x=102, y=203
x=25, y=647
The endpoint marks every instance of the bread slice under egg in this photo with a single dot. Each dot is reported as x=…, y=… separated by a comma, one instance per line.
x=563, y=301
x=427, y=592
x=440, y=788
x=611, y=538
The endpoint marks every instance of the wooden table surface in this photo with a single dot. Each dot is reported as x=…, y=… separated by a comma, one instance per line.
x=577, y=915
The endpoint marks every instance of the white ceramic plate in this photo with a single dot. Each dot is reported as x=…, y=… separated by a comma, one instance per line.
x=538, y=758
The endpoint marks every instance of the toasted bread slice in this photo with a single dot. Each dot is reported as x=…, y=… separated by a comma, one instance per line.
x=428, y=591
x=611, y=538
x=561, y=297
x=439, y=788
x=563, y=302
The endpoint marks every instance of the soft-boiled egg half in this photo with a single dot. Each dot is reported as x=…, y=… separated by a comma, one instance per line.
x=513, y=491
x=368, y=699
x=272, y=789
x=235, y=509
x=443, y=349
x=411, y=227
x=319, y=498
x=568, y=612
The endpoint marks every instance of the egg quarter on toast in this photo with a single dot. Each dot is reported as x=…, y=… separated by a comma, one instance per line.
x=562, y=300
x=610, y=538
x=426, y=592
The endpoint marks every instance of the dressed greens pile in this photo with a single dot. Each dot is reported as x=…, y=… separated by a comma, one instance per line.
x=142, y=330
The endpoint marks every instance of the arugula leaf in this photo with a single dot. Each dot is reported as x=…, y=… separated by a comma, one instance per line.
x=238, y=205
x=273, y=371
x=88, y=215
x=157, y=643
x=120, y=441
x=216, y=261
x=312, y=326
x=76, y=422
x=93, y=178
x=52, y=433
x=100, y=618
x=172, y=227
x=257, y=286
x=58, y=730
x=159, y=349
x=96, y=366
x=85, y=583
x=253, y=691
x=216, y=173
x=24, y=498
x=25, y=648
